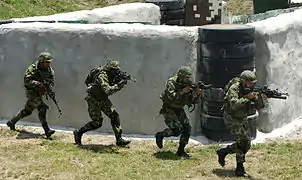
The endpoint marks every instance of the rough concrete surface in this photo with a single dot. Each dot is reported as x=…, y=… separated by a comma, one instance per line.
x=130, y=12
x=278, y=63
x=150, y=53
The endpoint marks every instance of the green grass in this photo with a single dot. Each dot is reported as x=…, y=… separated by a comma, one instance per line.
x=38, y=158
x=240, y=7
x=26, y=8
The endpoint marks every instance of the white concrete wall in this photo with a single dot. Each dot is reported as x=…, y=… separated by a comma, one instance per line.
x=150, y=53
x=131, y=12
x=278, y=63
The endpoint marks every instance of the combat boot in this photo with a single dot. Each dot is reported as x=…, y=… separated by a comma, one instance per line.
x=181, y=151
x=77, y=137
x=222, y=153
x=239, y=171
x=122, y=142
x=47, y=130
x=11, y=125
x=159, y=139
x=119, y=140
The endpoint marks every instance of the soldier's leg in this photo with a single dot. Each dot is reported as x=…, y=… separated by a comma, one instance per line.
x=109, y=111
x=243, y=140
x=174, y=127
x=30, y=105
x=230, y=149
x=185, y=134
x=94, y=110
x=42, y=110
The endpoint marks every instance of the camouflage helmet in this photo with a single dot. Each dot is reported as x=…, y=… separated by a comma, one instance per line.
x=248, y=75
x=184, y=71
x=45, y=57
x=113, y=65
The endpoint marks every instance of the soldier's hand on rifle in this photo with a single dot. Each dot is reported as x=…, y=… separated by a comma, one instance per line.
x=122, y=83
x=199, y=93
x=186, y=90
x=252, y=95
x=264, y=97
x=39, y=84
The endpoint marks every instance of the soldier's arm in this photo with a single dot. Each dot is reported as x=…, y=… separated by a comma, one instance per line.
x=236, y=103
x=29, y=77
x=103, y=82
x=171, y=91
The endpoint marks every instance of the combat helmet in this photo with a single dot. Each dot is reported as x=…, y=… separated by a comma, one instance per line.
x=112, y=65
x=45, y=57
x=184, y=71
x=248, y=75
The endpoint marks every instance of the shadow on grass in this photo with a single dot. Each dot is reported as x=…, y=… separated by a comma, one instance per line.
x=229, y=173
x=23, y=134
x=166, y=155
x=99, y=148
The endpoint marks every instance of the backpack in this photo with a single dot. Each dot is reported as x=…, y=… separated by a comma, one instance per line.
x=231, y=82
x=92, y=74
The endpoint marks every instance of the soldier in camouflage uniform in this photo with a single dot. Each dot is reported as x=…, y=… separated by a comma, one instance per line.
x=176, y=95
x=102, y=86
x=237, y=104
x=35, y=89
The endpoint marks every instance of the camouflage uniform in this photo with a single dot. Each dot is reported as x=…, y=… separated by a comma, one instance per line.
x=97, y=99
x=236, y=109
x=173, y=112
x=34, y=92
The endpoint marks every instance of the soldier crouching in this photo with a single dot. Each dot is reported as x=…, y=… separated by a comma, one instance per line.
x=176, y=95
x=101, y=86
x=35, y=75
x=237, y=105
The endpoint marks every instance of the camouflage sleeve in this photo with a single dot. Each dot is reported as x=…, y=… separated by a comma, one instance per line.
x=103, y=82
x=29, y=76
x=171, y=92
x=232, y=96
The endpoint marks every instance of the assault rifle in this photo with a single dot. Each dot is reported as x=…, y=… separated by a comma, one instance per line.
x=122, y=75
x=52, y=96
x=270, y=93
x=195, y=87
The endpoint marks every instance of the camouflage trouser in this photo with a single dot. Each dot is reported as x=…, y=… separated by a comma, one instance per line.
x=95, y=109
x=32, y=103
x=178, y=124
x=240, y=129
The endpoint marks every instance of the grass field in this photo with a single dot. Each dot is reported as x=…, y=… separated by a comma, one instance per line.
x=29, y=156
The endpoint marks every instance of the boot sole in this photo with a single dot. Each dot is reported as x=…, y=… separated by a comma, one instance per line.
x=123, y=145
x=49, y=135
